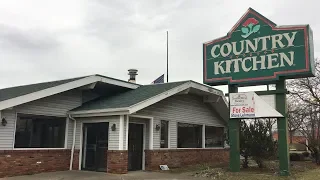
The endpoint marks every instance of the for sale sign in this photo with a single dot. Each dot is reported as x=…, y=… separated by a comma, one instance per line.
x=247, y=105
x=242, y=105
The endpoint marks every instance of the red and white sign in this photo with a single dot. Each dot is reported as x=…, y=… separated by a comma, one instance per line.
x=242, y=105
x=248, y=105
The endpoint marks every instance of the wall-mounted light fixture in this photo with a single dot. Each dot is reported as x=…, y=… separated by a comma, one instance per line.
x=113, y=127
x=158, y=127
x=4, y=122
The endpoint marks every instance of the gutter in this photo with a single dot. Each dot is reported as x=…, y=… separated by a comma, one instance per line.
x=73, y=140
x=108, y=110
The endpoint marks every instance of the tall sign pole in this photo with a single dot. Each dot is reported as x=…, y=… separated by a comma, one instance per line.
x=167, y=56
x=282, y=124
x=258, y=52
x=234, y=130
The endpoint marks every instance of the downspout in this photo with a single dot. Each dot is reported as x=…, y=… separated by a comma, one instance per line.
x=73, y=140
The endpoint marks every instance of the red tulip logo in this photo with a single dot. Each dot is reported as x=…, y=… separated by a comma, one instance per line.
x=250, y=26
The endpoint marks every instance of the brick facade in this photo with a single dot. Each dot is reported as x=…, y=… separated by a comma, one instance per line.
x=75, y=163
x=117, y=161
x=23, y=162
x=175, y=158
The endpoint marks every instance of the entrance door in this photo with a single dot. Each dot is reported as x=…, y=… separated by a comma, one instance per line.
x=135, y=147
x=95, y=138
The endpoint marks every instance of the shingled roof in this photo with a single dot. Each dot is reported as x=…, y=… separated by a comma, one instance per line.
x=129, y=98
x=13, y=96
x=12, y=92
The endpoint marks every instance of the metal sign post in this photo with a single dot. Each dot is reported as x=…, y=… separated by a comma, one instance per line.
x=234, y=130
x=282, y=124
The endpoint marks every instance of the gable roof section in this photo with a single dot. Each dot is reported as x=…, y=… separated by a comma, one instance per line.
x=129, y=98
x=12, y=92
x=14, y=96
x=135, y=100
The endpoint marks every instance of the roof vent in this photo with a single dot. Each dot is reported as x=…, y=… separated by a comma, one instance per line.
x=132, y=74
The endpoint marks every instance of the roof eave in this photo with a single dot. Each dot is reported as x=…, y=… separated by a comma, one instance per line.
x=100, y=112
x=62, y=88
x=143, y=104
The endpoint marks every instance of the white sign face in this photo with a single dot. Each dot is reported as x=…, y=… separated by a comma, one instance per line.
x=247, y=105
x=270, y=99
x=242, y=105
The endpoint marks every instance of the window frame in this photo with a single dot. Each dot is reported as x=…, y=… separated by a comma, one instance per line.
x=218, y=147
x=168, y=134
x=201, y=135
x=65, y=143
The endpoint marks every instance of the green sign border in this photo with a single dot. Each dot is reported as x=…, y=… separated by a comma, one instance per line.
x=309, y=59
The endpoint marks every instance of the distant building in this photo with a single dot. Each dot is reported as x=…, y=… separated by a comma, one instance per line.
x=298, y=141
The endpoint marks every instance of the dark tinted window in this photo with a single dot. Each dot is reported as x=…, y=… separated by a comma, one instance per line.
x=39, y=132
x=189, y=135
x=164, y=134
x=214, y=136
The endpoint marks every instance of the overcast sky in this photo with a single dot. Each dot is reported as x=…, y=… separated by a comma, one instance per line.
x=44, y=40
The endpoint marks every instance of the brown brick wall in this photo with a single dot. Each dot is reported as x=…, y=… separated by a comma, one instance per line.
x=75, y=164
x=183, y=157
x=22, y=162
x=117, y=161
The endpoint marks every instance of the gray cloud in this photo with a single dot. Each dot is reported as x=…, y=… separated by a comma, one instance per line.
x=13, y=38
x=79, y=37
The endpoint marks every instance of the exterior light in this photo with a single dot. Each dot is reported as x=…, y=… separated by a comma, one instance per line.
x=4, y=122
x=157, y=127
x=113, y=127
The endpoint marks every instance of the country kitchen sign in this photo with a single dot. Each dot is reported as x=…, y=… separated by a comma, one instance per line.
x=256, y=51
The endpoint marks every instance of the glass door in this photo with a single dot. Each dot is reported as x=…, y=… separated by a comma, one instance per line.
x=95, y=146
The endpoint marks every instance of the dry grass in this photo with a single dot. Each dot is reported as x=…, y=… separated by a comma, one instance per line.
x=299, y=170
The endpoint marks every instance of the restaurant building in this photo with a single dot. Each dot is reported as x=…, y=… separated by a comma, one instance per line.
x=104, y=124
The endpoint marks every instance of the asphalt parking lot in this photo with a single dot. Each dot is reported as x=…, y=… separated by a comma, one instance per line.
x=86, y=175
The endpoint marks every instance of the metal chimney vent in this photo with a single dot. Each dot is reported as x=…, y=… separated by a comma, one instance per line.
x=132, y=74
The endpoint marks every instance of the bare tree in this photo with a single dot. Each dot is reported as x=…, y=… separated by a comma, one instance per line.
x=307, y=89
x=296, y=116
x=303, y=109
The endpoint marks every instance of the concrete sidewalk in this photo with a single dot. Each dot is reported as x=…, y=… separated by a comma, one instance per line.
x=87, y=175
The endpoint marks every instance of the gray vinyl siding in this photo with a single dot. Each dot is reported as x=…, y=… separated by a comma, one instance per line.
x=113, y=140
x=125, y=133
x=70, y=134
x=180, y=108
x=7, y=132
x=55, y=105
x=173, y=130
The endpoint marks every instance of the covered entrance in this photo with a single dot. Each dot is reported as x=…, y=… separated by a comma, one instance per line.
x=95, y=146
x=135, y=146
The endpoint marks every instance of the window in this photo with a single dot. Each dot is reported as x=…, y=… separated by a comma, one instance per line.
x=164, y=134
x=214, y=136
x=189, y=135
x=39, y=132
